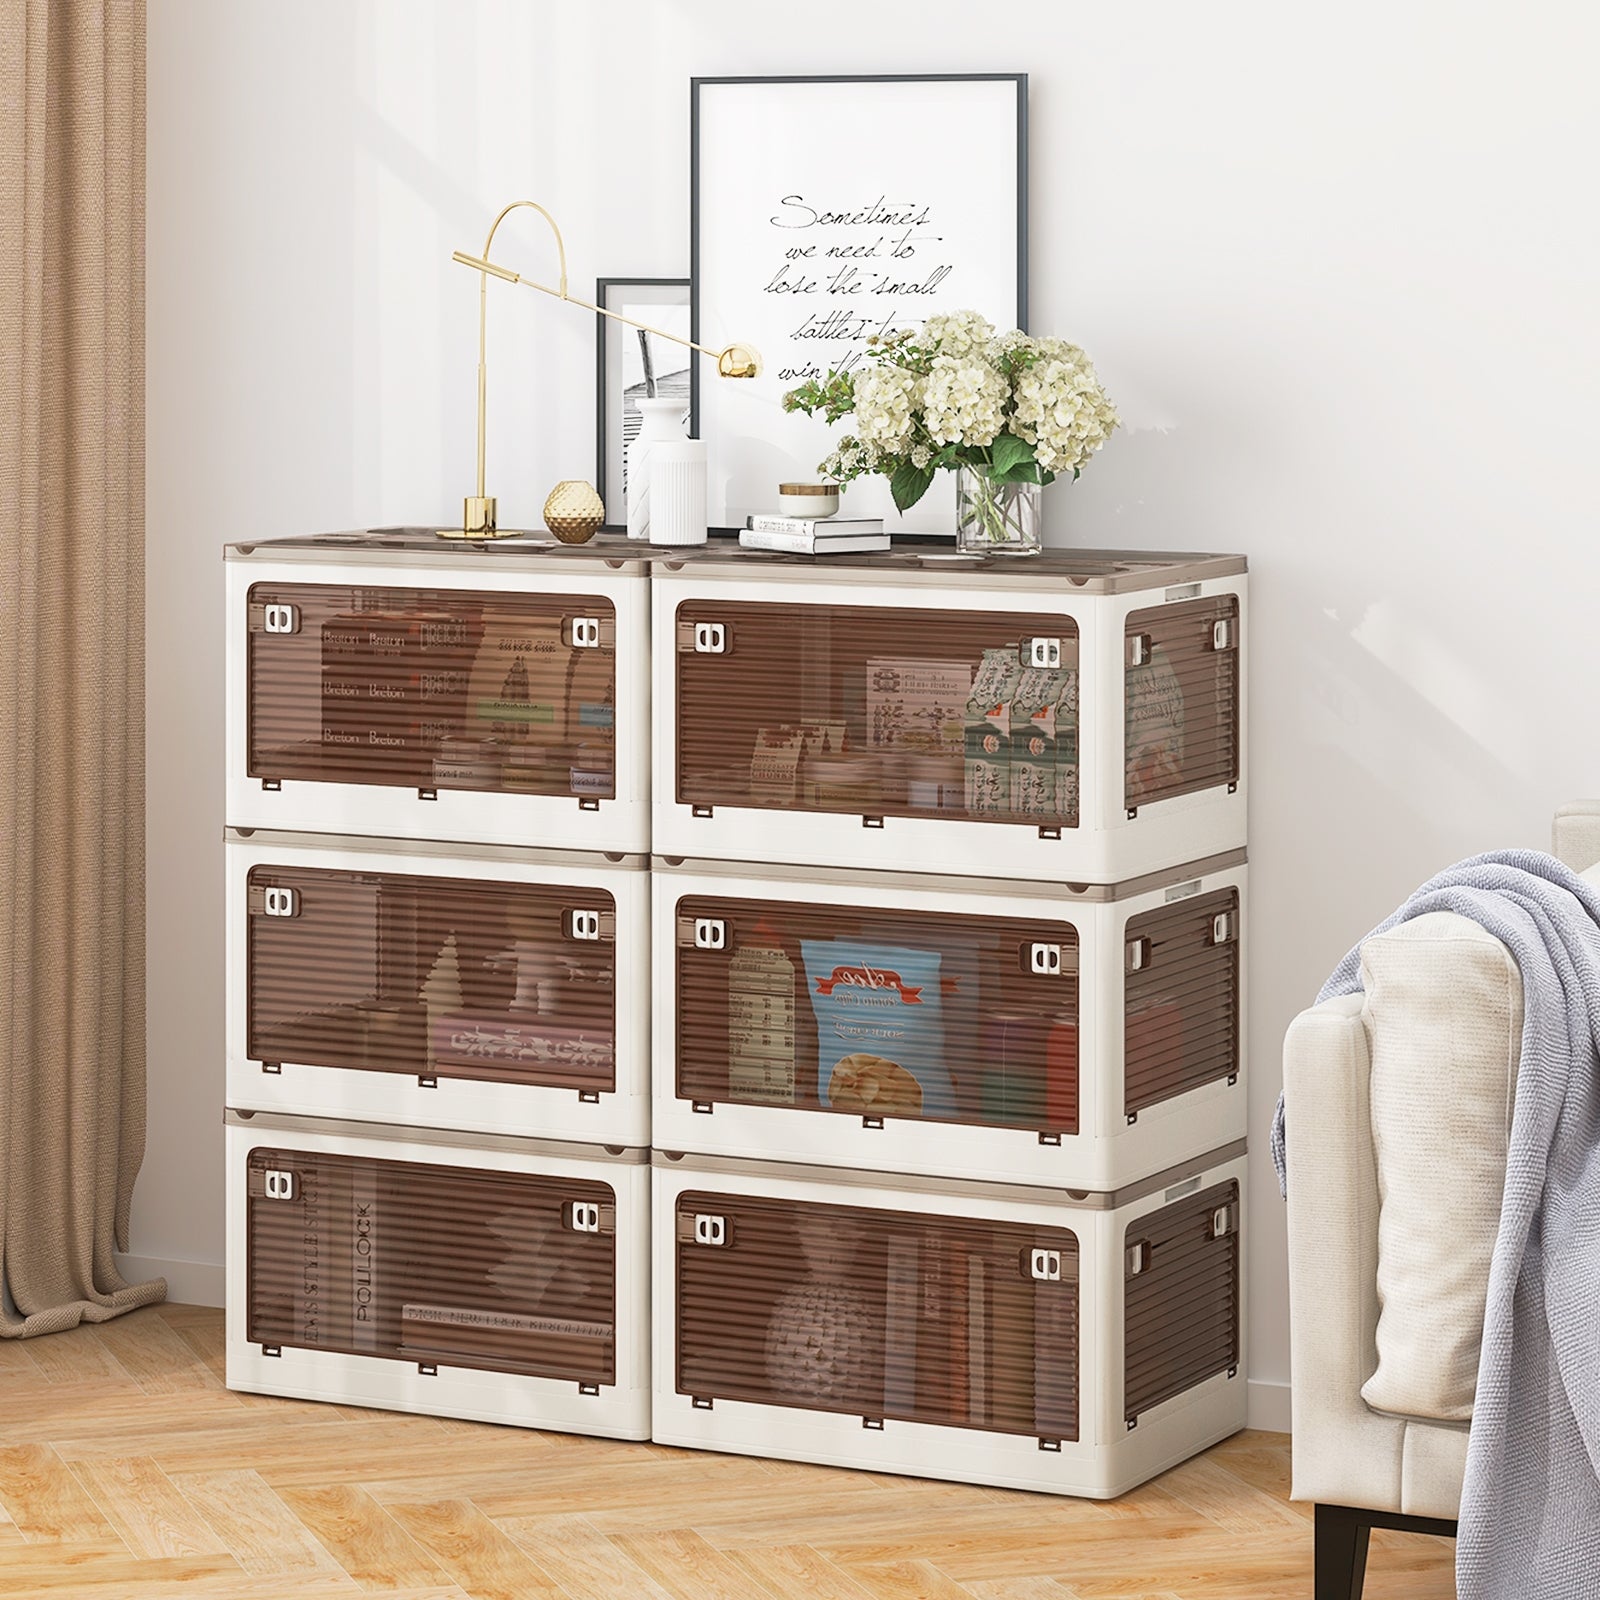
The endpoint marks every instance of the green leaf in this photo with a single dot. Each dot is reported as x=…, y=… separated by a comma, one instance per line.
x=1023, y=472
x=1007, y=454
x=908, y=484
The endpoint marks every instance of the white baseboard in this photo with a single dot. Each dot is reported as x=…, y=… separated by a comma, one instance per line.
x=1267, y=1405
x=190, y=1283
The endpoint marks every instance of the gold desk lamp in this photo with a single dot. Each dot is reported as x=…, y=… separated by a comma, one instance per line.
x=478, y=510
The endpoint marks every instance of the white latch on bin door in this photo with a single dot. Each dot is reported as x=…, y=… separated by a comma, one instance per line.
x=710, y=933
x=280, y=618
x=1044, y=960
x=278, y=1185
x=585, y=1215
x=586, y=633
x=1045, y=1266
x=710, y=639
x=710, y=1230
x=1044, y=653
x=583, y=925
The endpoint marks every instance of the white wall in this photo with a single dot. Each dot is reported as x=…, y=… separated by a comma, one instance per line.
x=1336, y=265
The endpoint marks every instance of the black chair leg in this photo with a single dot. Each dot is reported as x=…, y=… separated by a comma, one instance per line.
x=1341, y=1543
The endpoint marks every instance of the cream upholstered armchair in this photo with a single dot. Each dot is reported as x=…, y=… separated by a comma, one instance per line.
x=1399, y=1102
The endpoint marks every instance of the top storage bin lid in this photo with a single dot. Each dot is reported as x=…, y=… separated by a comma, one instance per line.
x=922, y=566
x=424, y=547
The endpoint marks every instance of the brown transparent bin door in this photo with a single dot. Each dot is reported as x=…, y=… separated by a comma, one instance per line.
x=878, y=1014
x=1181, y=1302
x=878, y=1314
x=437, y=977
x=445, y=1266
x=433, y=689
x=878, y=710
x=1182, y=711
x=1181, y=970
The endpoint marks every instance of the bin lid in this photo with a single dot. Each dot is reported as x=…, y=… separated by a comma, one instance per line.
x=924, y=565
x=422, y=546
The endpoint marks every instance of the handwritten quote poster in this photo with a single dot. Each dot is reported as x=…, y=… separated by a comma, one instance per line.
x=828, y=211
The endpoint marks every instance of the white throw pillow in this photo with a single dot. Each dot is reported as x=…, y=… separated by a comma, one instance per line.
x=1444, y=1014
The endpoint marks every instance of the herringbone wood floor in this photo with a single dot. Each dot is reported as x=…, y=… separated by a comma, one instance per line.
x=127, y=1470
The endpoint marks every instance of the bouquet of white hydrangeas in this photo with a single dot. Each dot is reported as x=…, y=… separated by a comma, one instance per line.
x=1012, y=408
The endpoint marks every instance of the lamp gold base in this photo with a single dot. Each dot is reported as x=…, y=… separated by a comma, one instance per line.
x=478, y=521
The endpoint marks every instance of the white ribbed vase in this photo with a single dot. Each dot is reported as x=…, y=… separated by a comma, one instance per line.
x=664, y=420
x=678, y=492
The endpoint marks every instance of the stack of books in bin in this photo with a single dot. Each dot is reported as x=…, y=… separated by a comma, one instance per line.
x=813, y=536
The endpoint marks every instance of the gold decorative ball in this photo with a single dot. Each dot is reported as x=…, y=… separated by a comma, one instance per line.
x=574, y=511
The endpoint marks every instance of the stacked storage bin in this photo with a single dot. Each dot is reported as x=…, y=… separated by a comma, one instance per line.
x=438, y=978
x=949, y=1103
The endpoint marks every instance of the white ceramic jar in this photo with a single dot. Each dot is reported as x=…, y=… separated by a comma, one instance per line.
x=810, y=500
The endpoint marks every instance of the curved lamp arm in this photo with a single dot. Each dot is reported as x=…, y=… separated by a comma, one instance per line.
x=733, y=361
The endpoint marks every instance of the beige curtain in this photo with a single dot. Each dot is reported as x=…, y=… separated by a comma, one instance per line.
x=71, y=656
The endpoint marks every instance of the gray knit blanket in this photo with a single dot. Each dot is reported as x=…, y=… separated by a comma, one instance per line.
x=1530, y=1505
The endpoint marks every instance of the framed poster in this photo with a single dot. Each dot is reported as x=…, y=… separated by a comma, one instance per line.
x=620, y=374
x=820, y=213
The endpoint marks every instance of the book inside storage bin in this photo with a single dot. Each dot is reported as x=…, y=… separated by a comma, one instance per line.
x=878, y=710
x=881, y=1314
x=449, y=1266
x=1181, y=1305
x=432, y=689
x=433, y=976
x=1181, y=1025
x=877, y=1013
x=1182, y=699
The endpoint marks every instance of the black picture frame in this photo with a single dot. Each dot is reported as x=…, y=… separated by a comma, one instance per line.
x=610, y=439
x=698, y=86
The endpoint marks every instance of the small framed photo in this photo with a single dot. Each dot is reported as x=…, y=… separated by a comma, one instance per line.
x=621, y=376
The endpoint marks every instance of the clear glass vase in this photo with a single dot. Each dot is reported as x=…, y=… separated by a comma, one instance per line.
x=997, y=519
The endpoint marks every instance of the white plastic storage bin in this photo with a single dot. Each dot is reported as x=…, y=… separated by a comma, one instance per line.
x=973, y=1028
x=500, y=990
x=494, y=1279
x=1078, y=717
x=989, y=1333
x=389, y=683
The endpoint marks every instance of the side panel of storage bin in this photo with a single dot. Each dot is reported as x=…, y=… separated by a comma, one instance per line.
x=951, y=1027
x=967, y=1332
x=490, y=1281
x=485, y=989
x=469, y=702
x=1025, y=731
x=1182, y=1296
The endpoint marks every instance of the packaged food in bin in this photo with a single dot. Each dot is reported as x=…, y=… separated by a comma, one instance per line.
x=1030, y=1071
x=1014, y=1069
x=1061, y=1075
x=761, y=1030
x=880, y=1028
x=988, y=732
x=1044, y=743
x=491, y=1044
x=916, y=706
